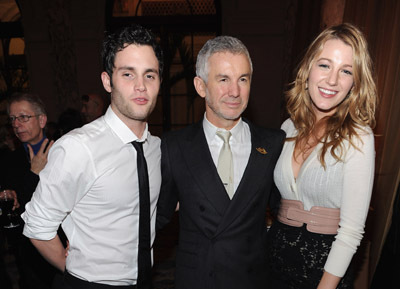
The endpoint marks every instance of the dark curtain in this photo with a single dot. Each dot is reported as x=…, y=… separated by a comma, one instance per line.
x=380, y=21
x=388, y=270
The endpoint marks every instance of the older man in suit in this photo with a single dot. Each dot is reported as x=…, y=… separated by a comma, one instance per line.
x=220, y=171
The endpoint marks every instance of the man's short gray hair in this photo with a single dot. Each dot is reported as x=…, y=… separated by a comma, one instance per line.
x=219, y=44
x=36, y=103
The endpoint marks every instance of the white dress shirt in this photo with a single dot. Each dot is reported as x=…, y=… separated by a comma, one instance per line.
x=345, y=185
x=240, y=143
x=90, y=185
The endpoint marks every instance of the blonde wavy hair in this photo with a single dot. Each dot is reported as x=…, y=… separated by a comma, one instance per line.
x=358, y=108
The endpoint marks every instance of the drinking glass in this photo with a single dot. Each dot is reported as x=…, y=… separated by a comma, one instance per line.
x=6, y=205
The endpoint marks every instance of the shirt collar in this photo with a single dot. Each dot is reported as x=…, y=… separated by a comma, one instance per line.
x=34, y=147
x=121, y=129
x=210, y=130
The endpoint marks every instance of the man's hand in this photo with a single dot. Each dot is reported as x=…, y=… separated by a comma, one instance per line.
x=14, y=195
x=11, y=194
x=39, y=160
x=67, y=249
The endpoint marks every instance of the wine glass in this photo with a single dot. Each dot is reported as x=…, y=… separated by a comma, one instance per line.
x=6, y=205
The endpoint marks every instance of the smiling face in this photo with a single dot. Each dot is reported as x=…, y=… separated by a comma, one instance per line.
x=227, y=89
x=331, y=77
x=135, y=85
x=31, y=131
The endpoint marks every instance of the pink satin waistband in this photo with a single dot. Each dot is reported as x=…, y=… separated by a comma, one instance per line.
x=318, y=219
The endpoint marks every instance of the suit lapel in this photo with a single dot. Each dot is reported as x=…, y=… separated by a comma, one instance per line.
x=198, y=157
x=253, y=177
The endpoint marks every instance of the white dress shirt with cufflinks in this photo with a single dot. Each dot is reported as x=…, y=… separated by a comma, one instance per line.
x=240, y=143
x=90, y=185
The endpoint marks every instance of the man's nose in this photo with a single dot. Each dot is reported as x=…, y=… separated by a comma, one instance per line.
x=140, y=84
x=234, y=90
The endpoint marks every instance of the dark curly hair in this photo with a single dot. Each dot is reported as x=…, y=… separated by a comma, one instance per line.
x=132, y=34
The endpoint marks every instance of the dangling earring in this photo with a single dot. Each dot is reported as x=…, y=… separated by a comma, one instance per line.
x=306, y=86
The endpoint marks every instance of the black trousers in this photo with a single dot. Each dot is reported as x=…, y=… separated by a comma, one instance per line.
x=67, y=281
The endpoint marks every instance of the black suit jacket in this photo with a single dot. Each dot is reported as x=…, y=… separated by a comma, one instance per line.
x=221, y=241
x=33, y=268
x=20, y=177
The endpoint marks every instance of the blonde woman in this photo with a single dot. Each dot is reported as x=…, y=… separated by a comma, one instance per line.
x=326, y=169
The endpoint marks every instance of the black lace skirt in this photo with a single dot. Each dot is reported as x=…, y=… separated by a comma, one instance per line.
x=297, y=258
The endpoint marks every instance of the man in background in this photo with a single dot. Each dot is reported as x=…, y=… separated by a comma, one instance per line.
x=93, y=106
x=28, y=118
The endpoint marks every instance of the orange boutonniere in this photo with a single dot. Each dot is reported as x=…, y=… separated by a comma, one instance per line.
x=261, y=151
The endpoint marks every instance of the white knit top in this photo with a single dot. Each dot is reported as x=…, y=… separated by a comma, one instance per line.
x=346, y=185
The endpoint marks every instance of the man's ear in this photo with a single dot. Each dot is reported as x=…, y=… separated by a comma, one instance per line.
x=105, y=78
x=200, y=86
x=42, y=120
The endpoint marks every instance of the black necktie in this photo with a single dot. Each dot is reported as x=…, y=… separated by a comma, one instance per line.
x=144, y=253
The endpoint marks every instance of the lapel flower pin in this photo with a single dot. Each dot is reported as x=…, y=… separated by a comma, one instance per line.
x=261, y=151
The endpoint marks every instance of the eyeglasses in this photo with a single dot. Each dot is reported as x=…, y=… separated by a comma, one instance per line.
x=21, y=118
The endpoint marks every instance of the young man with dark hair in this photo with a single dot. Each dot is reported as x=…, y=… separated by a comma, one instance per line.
x=91, y=183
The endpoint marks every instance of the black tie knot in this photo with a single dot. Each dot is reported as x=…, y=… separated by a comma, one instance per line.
x=138, y=146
